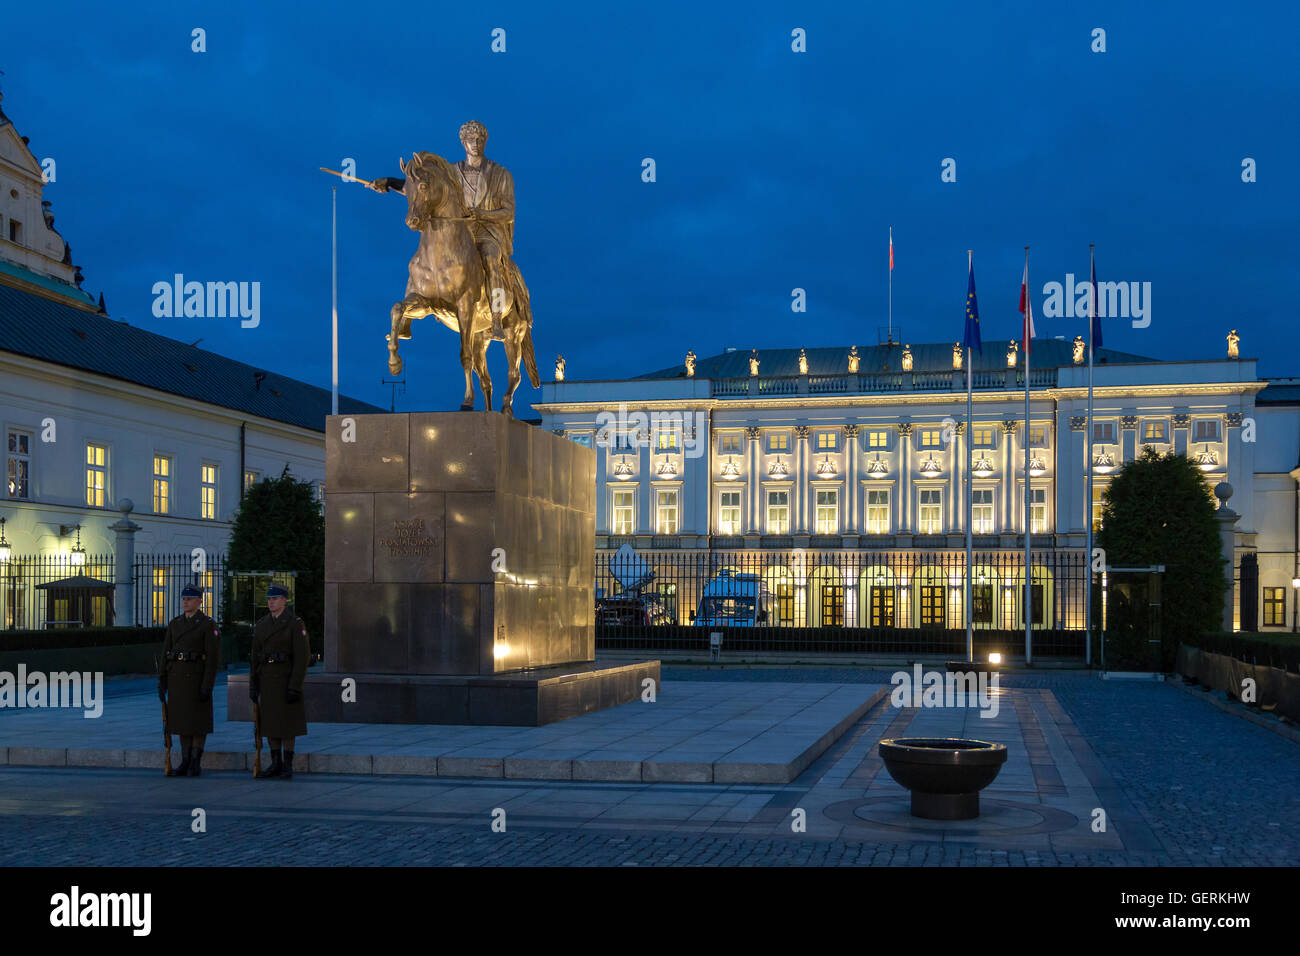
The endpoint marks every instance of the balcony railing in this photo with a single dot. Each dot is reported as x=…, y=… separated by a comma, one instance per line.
x=876, y=383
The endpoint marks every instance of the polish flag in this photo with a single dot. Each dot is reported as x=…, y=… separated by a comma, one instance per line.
x=1027, y=310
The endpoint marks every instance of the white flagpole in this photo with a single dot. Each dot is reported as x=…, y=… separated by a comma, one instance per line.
x=1087, y=587
x=1029, y=576
x=334, y=230
x=970, y=439
x=891, y=285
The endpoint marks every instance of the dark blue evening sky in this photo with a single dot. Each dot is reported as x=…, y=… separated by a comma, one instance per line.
x=775, y=169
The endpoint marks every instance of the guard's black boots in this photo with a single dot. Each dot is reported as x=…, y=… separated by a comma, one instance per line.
x=194, y=765
x=287, y=773
x=276, y=768
x=184, y=768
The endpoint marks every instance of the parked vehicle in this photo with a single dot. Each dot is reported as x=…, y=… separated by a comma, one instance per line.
x=734, y=600
x=633, y=606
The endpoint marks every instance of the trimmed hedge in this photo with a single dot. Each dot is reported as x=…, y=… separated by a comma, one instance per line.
x=30, y=640
x=1270, y=649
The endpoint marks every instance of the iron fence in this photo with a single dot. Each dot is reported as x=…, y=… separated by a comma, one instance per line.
x=51, y=590
x=840, y=601
x=159, y=579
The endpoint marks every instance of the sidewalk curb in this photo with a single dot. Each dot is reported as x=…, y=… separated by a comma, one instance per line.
x=1291, y=733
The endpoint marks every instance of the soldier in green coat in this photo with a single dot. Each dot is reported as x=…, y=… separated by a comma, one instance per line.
x=191, y=655
x=278, y=666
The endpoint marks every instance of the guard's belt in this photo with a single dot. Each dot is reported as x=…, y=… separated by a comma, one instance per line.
x=185, y=656
x=275, y=658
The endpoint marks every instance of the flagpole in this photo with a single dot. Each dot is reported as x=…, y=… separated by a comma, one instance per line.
x=970, y=440
x=334, y=278
x=1029, y=575
x=1087, y=587
x=891, y=285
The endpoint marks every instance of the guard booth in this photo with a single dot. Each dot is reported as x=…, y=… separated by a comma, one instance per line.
x=78, y=601
x=1132, y=642
x=245, y=604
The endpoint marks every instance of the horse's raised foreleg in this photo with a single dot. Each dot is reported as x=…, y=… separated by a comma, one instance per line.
x=465, y=316
x=480, y=365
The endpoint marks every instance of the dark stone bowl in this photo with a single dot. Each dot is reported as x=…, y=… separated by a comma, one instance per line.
x=944, y=774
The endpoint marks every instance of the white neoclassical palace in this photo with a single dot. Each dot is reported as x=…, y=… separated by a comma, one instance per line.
x=837, y=450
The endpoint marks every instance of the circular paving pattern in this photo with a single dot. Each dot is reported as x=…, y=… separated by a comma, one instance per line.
x=997, y=816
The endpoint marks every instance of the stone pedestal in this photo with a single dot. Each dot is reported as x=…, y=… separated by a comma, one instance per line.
x=459, y=552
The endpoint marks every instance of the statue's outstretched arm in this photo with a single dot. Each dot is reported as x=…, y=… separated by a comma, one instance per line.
x=395, y=183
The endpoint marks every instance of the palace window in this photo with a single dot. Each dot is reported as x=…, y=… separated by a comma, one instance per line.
x=1038, y=436
x=981, y=603
x=208, y=489
x=1038, y=510
x=251, y=478
x=882, y=605
x=877, y=438
x=666, y=511
x=729, y=444
x=981, y=511
x=778, y=512
x=932, y=605
x=1097, y=491
x=930, y=437
x=624, y=513
x=667, y=441
x=19, y=465
x=878, y=511
x=1206, y=429
x=828, y=441
x=982, y=436
x=729, y=513
x=158, y=596
x=579, y=438
x=1154, y=431
x=1103, y=433
x=97, y=475
x=828, y=512
x=778, y=441
x=1274, y=607
x=206, y=580
x=931, y=512
x=162, y=483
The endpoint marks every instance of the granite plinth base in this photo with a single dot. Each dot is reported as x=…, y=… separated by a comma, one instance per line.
x=520, y=699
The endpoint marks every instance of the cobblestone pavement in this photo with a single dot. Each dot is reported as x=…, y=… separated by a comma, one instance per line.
x=1181, y=782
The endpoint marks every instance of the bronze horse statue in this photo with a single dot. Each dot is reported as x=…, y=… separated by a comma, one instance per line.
x=447, y=279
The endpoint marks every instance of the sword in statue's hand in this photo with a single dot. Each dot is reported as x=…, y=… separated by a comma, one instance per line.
x=349, y=178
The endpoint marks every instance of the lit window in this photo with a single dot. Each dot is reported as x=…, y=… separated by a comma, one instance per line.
x=778, y=512
x=206, y=579
x=1274, y=607
x=1153, y=431
x=729, y=445
x=666, y=511
x=827, y=441
x=828, y=512
x=624, y=513
x=982, y=436
x=778, y=441
x=96, y=475
x=158, y=598
x=877, y=438
x=931, y=513
x=667, y=441
x=19, y=464
x=251, y=478
x=878, y=511
x=1038, y=510
x=930, y=437
x=1038, y=436
x=208, y=488
x=729, y=513
x=162, y=480
x=981, y=511
x=1097, y=491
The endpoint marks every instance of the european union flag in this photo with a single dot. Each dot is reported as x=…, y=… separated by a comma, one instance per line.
x=972, y=338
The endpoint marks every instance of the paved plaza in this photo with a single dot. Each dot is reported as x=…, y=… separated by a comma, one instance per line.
x=1178, y=780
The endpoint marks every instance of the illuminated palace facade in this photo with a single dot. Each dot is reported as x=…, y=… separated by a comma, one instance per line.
x=833, y=471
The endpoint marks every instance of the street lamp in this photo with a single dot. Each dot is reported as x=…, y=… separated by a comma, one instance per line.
x=78, y=553
x=1295, y=605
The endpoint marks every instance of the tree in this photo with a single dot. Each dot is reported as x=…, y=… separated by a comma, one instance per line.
x=279, y=527
x=1158, y=510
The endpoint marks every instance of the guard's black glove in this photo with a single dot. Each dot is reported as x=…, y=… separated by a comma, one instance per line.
x=205, y=695
x=292, y=696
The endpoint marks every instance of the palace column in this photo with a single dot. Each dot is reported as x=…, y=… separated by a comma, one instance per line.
x=956, y=469
x=905, y=479
x=852, y=511
x=1072, y=477
x=753, y=507
x=802, y=485
x=1008, y=483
